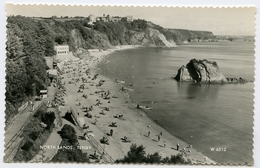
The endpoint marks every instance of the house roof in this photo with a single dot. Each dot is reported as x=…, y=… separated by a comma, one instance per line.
x=64, y=45
x=52, y=72
x=43, y=91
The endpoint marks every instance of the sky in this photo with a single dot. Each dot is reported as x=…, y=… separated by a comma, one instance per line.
x=220, y=21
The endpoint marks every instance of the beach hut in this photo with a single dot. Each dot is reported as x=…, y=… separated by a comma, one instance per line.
x=52, y=74
x=43, y=94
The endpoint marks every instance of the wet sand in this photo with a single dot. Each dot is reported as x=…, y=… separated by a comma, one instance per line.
x=134, y=124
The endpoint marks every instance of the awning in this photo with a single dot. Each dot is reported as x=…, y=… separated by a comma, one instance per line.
x=43, y=91
x=52, y=72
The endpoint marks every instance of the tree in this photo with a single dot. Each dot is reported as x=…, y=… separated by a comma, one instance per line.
x=154, y=158
x=48, y=118
x=175, y=159
x=135, y=155
x=60, y=39
x=69, y=133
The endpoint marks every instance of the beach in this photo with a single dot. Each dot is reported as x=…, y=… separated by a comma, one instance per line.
x=104, y=99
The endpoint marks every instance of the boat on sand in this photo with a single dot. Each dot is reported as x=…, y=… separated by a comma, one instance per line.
x=144, y=107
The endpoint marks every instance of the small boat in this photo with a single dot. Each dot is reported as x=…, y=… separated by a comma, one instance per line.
x=129, y=89
x=119, y=81
x=146, y=107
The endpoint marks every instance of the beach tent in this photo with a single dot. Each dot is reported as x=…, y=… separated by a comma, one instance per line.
x=80, y=121
x=58, y=65
x=52, y=74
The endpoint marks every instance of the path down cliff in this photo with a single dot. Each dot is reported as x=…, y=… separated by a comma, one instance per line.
x=201, y=71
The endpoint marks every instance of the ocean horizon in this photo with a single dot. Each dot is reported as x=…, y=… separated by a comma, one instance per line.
x=206, y=116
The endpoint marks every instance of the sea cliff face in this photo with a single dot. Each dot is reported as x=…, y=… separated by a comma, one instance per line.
x=183, y=36
x=201, y=71
x=158, y=39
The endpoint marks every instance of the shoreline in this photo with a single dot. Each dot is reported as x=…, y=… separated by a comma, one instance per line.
x=135, y=122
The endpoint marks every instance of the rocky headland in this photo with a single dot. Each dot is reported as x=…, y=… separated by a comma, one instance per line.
x=204, y=71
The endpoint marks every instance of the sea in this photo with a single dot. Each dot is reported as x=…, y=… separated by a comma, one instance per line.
x=208, y=116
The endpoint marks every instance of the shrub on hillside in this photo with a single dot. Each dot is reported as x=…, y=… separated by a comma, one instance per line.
x=137, y=154
x=69, y=155
x=27, y=146
x=69, y=133
x=175, y=159
x=34, y=135
x=48, y=119
x=73, y=154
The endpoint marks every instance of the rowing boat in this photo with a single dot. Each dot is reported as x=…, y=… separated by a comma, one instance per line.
x=146, y=107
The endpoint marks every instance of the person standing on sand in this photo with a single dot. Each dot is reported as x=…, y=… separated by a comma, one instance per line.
x=206, y=158
x=178, y=146
x=159, y=138
x=149, y=133
x=164, y=144
x=111, y=132
x=160, y=133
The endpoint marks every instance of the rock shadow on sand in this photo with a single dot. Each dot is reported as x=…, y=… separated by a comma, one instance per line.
x=68, y=117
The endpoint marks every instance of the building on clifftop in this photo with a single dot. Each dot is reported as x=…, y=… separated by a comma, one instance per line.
x=129, y=18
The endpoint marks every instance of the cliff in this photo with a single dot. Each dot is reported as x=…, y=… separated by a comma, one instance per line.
x=30, y=40
x=201, y=71
x=181, y=36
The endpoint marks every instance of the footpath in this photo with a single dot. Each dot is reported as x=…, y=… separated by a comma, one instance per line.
x=13, y=133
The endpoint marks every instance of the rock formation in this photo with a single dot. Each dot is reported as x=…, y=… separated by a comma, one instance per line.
x=204, y=71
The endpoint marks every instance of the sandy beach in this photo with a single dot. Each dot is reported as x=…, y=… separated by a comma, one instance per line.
x=104, y=99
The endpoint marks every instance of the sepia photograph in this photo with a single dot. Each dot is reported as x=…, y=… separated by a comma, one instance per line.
x=129, y=85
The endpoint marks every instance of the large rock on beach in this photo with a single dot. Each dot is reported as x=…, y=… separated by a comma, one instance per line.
x=201, y=71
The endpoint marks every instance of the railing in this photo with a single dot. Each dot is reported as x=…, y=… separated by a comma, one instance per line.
x=94, y=143
x=11, y=153
x=101, y=150
x=8, y=146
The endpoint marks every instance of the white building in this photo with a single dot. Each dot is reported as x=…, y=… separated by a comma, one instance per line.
x=92, y=19
x=129, y=18
x=61, y=49
x=43, y=94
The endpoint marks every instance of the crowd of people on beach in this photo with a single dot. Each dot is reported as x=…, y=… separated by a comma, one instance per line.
x=79, y=74
x=159, y=136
